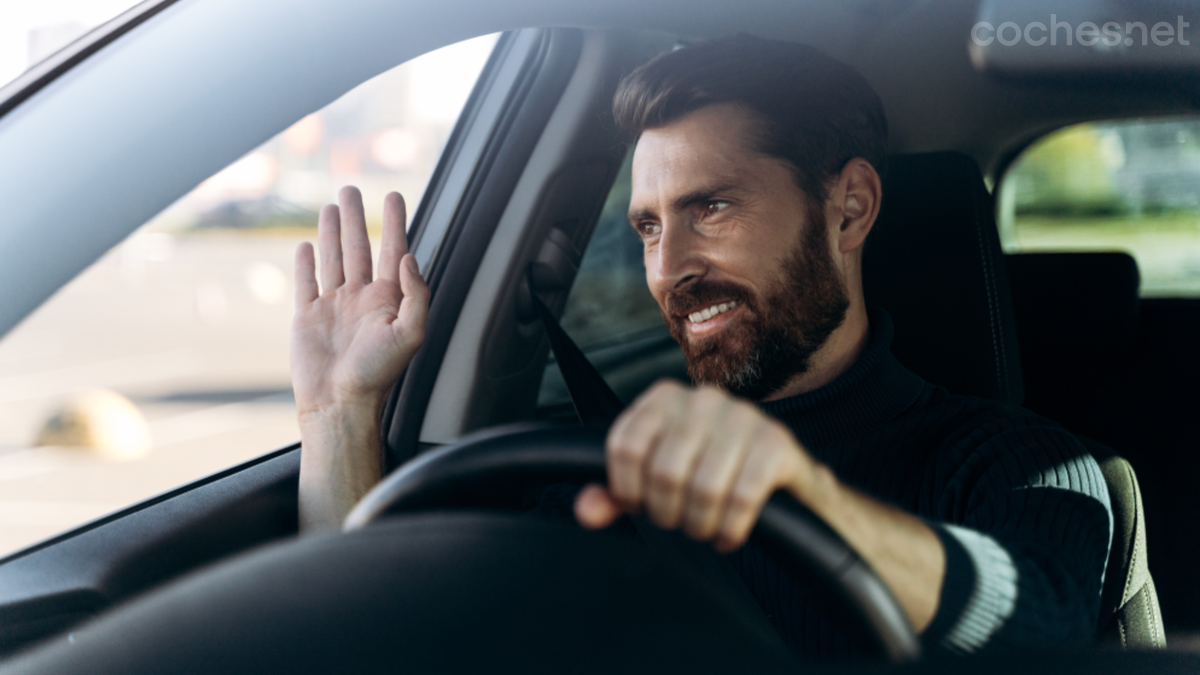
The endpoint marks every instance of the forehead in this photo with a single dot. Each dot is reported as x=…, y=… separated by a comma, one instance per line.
x=709, y=145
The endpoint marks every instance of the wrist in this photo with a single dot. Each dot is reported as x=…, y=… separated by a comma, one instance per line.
x=342, y=406
x=819, y=489
x=340, y=460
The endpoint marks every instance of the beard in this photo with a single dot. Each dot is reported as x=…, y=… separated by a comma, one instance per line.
x=777, y=334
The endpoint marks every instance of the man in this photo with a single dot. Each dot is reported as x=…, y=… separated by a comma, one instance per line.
x=756, y=180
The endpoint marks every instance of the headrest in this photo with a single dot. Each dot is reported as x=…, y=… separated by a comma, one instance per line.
x=933, y=261
x=1074, y=305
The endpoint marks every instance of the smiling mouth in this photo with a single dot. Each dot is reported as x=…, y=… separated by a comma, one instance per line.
x=706, y=314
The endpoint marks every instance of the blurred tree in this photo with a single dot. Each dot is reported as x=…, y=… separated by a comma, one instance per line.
x=1070, y=173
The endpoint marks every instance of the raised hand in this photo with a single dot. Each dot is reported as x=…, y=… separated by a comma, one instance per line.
x=351, y=339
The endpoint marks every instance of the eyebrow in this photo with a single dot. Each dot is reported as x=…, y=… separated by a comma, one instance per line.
x=694, y=197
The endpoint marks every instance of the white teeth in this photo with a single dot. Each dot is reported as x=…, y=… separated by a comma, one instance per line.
x=708, y=313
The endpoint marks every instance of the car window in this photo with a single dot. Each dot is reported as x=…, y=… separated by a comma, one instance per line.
x=32, y=31
x=1129, y=185
x=167, y=359
x=610, y=313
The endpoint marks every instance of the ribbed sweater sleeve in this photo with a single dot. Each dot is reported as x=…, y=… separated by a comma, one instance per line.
x=1025, y=519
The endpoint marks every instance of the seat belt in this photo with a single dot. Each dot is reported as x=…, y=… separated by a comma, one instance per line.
x=595, y=402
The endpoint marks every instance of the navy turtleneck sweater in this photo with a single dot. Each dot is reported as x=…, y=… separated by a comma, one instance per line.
x=1018, y=503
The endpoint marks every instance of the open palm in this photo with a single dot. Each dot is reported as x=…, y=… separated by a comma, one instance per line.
x=352, y=337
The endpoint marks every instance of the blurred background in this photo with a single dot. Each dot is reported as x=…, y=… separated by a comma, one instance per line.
x=167, y=360
x=1123, y=185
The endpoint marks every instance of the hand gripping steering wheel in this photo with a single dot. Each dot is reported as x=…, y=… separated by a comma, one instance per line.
x=807, y=547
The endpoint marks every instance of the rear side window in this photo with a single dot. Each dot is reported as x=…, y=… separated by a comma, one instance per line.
x=167, y=360
x=1129, y=185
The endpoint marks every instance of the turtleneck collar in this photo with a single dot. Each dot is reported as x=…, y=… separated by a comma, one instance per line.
x=872, y=391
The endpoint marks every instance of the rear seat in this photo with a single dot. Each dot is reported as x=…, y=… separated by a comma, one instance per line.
x=1077, y=328
x=1077, y=323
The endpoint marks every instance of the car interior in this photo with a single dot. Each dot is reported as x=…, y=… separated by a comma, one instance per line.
x=522, y=204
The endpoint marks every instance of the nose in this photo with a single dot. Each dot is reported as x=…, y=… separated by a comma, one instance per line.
x=679, y=259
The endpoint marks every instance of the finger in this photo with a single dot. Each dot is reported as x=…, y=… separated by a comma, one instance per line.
x=395, y=242
x=760, y=474
x=306, y=275
x=716, y=470
x=631, y=440
x=672, y=464
x=595, y=508
x=329, y=238
x=414, y=308
x=354, y=235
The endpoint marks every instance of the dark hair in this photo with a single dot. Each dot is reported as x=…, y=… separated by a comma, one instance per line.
x=814, y=112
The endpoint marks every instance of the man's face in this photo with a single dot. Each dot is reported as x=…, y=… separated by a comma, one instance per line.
x=736, y=256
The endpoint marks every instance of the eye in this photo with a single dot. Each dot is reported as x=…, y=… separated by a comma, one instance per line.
x=649, y=228
x=715, y=206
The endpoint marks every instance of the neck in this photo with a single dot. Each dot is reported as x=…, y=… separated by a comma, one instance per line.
x=835, y=357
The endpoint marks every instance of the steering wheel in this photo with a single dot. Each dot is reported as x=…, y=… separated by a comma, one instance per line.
x=805, y=545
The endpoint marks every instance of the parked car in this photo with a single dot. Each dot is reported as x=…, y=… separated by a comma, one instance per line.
x=211, y=576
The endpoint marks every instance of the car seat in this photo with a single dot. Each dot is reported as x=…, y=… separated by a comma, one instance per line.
x=1074, y=311
x=934, y=262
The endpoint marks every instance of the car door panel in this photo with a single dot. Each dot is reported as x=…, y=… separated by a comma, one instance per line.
x=51, y=586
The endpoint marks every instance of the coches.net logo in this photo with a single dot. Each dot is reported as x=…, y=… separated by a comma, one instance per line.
x=1109, y=34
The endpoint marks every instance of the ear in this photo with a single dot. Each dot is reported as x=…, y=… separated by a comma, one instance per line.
x=860, y=192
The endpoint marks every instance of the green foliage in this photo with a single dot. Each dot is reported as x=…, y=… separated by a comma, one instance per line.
x=1070, y=173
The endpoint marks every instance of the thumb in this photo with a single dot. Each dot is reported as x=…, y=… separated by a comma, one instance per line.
x=414, y=308
x=595, y=508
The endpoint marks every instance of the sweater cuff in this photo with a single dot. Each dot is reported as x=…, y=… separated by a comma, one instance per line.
x=979, y=591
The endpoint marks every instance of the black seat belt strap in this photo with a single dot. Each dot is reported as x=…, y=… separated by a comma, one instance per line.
x=594, y=400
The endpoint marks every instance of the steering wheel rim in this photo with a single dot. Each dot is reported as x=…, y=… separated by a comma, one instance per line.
x=804, y=544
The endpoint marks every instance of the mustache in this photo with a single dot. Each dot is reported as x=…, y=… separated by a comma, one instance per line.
x=702, y=294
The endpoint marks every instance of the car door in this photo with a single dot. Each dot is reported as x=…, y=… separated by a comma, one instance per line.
x=56, y=583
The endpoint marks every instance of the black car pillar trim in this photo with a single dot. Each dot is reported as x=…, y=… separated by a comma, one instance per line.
x=453, y=267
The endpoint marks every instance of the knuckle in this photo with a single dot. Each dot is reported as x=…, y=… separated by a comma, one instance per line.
x=774, y=434
x=667, y=384
x=744, y=413
x=663, y=390
x=707, y=398
x=665, y=477
x=623, y=451
x=707, y=496
x=743, y=501
x=659, y=387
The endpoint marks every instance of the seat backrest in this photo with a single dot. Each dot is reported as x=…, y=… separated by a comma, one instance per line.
x=1072, y=308
x=933, y=261
x=1129, y=613
x=1077, y=327
x=1075, y=313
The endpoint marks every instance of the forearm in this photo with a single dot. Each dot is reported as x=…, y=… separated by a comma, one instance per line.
x=340, y=461
x=905, y=552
